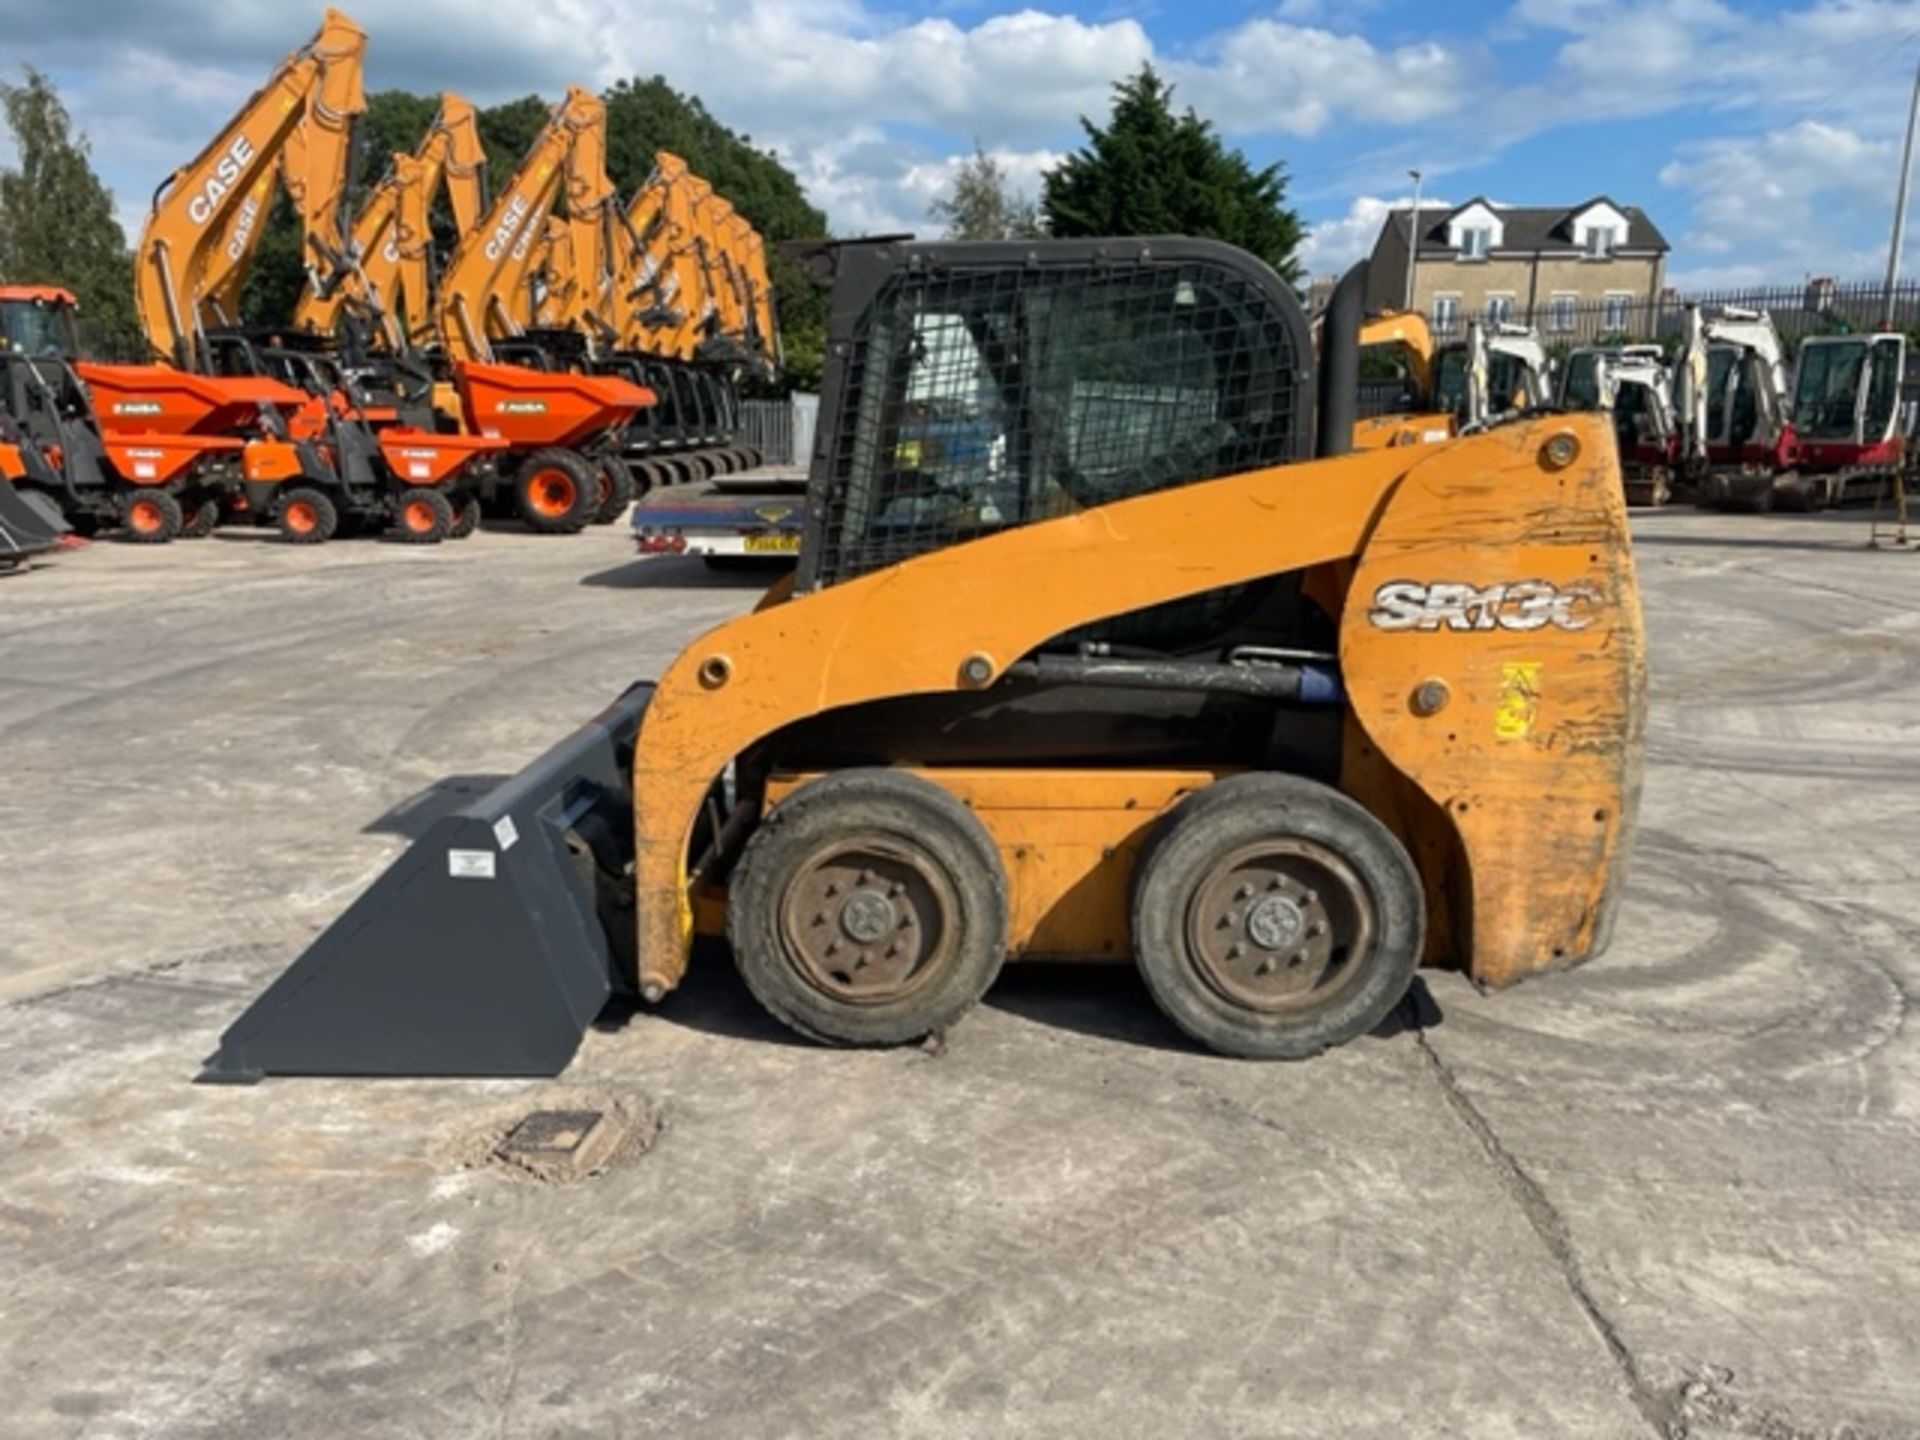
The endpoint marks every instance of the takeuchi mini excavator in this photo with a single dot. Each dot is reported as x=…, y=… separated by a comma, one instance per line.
x=1635, y=386
x=1497, y=369
x=1744, y=410
x=1849, y=417
x=1163, y=672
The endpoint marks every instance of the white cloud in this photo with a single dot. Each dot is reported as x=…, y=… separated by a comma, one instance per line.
x=858, y=99
x=1269, y=76
x=1333, y=245
x=1780, y=198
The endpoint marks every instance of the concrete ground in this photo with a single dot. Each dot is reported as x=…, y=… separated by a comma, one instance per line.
x=1674, y=1193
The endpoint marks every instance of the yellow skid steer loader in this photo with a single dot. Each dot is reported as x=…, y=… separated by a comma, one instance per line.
x=1102, y=645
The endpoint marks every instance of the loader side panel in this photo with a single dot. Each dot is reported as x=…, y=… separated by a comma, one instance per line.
x=1493, y=653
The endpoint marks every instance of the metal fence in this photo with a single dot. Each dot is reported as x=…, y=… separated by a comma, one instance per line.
x=1820, y=307
x=781, y=430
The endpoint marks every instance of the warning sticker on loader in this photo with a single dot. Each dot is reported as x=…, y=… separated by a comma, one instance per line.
x=1519, y=708
x=1509, y=605
x=505, y=832
x=470, y=864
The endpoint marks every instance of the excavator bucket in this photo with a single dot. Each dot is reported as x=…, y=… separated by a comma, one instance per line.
x=486, y=949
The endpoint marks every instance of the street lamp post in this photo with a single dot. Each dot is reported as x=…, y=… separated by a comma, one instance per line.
x=1413, y=239
x=1900, y=208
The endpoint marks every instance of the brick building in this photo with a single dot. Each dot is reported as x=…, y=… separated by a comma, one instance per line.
x=1521, y=263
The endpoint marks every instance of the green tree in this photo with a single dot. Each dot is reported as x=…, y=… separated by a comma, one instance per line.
x=648, y=115
x=57, y=225
x=1151, y=171
x=507, y=132
x=982, y=205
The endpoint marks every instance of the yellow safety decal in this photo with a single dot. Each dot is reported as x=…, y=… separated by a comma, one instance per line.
x=1519, y=700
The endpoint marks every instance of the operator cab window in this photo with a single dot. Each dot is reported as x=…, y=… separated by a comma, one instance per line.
x=979, y=402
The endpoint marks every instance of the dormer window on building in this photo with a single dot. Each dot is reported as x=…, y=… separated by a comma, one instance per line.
x=1475, y=230
x=1599, y=230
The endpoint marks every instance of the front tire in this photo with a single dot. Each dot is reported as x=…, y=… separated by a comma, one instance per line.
x=1274, y=918
x=306, y=516
x=869, y=908
x=151, y=517
x=422, y=517
x=555, y=491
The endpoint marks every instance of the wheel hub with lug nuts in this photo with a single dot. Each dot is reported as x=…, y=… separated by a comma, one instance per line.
x=868, y=918
x=1275, y=922
x=1276, y=925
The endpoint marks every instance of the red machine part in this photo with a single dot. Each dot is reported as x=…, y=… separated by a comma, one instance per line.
x=163, y=459
x=421, y=457
x=534, y=408
x=158, y=399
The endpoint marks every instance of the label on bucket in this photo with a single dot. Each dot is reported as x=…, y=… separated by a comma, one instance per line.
x=470, y=864
x=504, y=832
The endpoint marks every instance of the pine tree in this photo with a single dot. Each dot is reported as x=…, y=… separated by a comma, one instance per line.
x=982, y=206
x=1151, y=171
x=57, y=225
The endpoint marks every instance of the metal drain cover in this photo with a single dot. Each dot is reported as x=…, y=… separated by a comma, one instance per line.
x=562, y=1144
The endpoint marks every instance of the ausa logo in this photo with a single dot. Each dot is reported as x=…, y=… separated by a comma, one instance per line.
x=1512, y=605
x=774, y=514
x=136, y=407
x=226, y=174
x=522, y=407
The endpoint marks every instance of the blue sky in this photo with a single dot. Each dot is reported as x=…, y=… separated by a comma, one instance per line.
x=1763, y=137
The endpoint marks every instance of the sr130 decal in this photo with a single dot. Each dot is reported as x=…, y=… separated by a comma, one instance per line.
x=1513, y=605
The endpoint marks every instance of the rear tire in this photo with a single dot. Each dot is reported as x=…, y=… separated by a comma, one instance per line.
x=201, y=519
x=421, y=517
x=306, y=516
x=466, y=518
x=555, y=491
x=1274, y=918
x=616, y=491
x=150, y=517
x=869, y=908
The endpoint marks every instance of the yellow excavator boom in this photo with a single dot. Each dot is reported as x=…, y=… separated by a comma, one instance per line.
x=390, y=253
x=207, y=216
x=484, y=294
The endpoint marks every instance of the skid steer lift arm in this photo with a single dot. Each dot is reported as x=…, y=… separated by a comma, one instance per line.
x=1039, y=462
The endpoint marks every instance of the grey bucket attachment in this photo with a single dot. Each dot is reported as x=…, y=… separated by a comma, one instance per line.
x=484, y=950
x=24, y=530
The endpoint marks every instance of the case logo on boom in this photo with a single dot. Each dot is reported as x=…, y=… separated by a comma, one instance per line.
x=243, y=227
x=226, y=174
x=503, y=232
x=1511, y=605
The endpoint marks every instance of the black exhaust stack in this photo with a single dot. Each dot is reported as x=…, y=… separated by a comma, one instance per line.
x=486, y=949
x=1340, y=362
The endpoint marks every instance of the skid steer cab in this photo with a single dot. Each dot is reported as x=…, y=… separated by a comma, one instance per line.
x=1156, y=673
